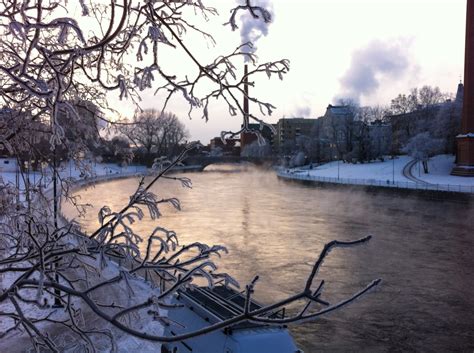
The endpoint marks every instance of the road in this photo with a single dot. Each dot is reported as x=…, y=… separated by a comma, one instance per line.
x=407, y=172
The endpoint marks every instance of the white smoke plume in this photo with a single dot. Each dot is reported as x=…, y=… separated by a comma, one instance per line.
x=303, y=112
x=371, y=65
x=252, y=29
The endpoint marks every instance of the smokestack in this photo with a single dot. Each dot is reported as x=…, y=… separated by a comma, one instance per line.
x=465, y=141
x=246, y=94
x=246, y=137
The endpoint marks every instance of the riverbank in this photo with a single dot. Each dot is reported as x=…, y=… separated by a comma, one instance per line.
x=96, y=173
x=389, y=174
x=84, y=182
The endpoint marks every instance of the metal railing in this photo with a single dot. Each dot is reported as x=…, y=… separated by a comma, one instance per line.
x=380, y=183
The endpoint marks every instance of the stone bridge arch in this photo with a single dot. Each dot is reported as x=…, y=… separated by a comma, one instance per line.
x=205, y=161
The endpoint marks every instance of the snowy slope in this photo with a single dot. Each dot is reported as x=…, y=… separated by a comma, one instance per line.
x=380, y=171
x=439, y=168
x=69, y=170
x=388, y=174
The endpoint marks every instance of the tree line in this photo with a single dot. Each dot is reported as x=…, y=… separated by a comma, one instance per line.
x=148, y=135
x=422, y=123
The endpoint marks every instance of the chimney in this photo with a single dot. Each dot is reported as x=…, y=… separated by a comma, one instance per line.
x=465, y=140
x=246, y=93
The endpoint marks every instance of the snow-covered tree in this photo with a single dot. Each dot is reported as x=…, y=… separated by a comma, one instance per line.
x=257, y=150
x=446, y=125
x=297, y=160
x=423, y=146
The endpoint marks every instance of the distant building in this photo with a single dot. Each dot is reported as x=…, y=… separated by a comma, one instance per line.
x=230, y=147
x=247, y=138
x=341, y=134
x=289, y=129
x=380, y=137
x=339, y=112
x=199, y=148
x=337, y=126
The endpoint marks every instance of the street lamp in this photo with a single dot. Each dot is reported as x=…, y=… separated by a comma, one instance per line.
x=393, y=169
x=333, y=149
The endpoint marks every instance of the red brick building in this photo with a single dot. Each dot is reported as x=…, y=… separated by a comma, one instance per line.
x=465, y=140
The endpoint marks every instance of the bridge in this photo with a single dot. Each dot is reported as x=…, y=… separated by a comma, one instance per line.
x=204, y=161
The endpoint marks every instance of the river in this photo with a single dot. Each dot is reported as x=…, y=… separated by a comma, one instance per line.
x=422, y=250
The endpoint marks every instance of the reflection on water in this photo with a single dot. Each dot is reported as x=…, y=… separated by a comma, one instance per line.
x=423, y=251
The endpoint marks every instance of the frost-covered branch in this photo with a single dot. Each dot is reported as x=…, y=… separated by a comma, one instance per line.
x=57, y=66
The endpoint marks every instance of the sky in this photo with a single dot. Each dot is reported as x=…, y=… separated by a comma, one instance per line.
x=366, y=50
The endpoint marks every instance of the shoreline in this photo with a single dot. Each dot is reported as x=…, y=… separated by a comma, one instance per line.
x=429, y=191
x=459, y=193
x=79, y=183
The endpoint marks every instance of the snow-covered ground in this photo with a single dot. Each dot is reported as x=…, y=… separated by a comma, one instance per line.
x=69, y=170
x=377, y=171
x=17, y=341
x=439, y=168
x=388, y=174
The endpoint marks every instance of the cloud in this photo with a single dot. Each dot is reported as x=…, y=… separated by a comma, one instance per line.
x=373, y=64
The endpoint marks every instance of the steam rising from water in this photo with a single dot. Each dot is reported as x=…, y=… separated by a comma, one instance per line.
x=377, y=62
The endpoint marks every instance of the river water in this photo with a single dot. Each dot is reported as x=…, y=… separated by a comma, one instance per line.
x=423, y=250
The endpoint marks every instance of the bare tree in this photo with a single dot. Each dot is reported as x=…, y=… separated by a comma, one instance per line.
x=371, y=135
x=446, y=125
x=418, y=100
x=47, y=61
x=402, y=104
x=156, y=132
x=428, y=96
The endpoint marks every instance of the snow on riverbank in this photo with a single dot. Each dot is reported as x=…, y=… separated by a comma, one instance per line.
x=439, y=168
x=388, y=170
x=388, y=174
x=69, y=170
x=18, y=341
x=135, y=291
